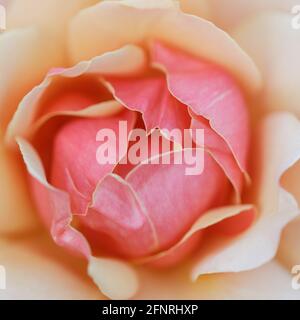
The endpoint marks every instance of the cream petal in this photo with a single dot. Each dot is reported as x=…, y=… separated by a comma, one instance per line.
x=16, y=211
x=289, y=250
x=276, y=52
x=277, y=149
x=147, y=4
x=25, y=57
x=268, y=282
x=117, y=280
x=38, y=269
x=199, y=8
x=128, y=59
x=229, y=13
x=51, y=15
x=100, y=28
x=290, y=181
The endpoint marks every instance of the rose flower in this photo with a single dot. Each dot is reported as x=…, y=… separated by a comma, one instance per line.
x=156, y=66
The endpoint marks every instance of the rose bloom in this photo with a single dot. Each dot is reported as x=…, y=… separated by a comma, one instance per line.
x=74, y=229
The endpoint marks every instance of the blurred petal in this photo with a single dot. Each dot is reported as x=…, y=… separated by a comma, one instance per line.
x=289, y=252
x=16, y=211
x=49, y=16
x=25, y=57
x=147, y=4
x=230, y=13
x=276, y=52
x=199, y=8
x=290, y=181
x=277, y=149
x=38, y=269
x=268, y=282
x=101, y=28
x=52, y=14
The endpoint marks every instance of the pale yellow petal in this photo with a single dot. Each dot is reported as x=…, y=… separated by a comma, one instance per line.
x=117, y=279
x=147, y=4
x=268, y=282
x=291, y=181
x=289, y=250
x=277, y=149
x=229, y=13
x=112, y=24
x=16, y=210
x=276, y=52
x=126, y=60
x=51, y=15
x=25, y=57
x=200, y=8
x=37, y=269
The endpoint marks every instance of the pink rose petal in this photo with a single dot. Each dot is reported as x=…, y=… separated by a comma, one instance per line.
x=211, y=93
x=221, y=152
x=74, y=165
x=150, y=96
x=53, y=204
x=136, y=198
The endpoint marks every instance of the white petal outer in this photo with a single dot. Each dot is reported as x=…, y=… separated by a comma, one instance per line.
x=230, y=13
x=278, y=148
x=276, y=52
x=126, y=60
x=101, y=28
x=25, y=57
x=270, y=281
